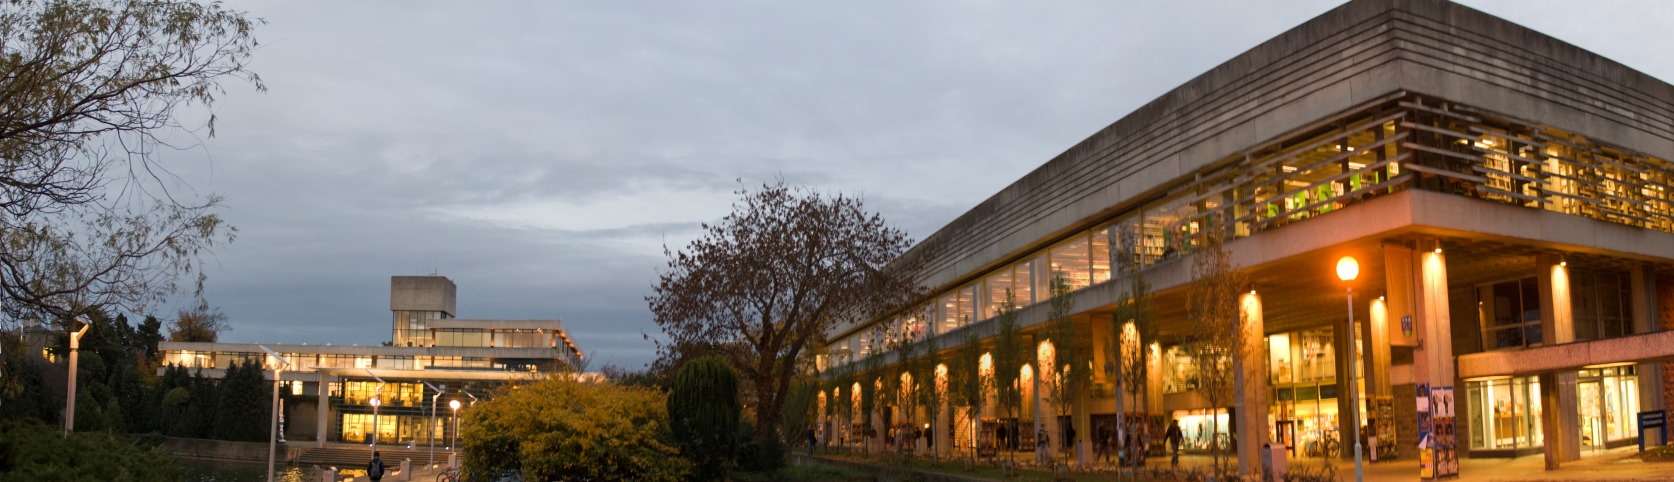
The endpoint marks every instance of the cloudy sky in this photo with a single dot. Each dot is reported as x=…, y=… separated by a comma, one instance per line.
x=541, y=154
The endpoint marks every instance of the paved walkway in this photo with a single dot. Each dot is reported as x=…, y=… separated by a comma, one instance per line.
x=1616, y=465
x=1610, y=465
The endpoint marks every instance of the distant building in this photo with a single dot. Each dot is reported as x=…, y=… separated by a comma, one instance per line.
x=434, y=358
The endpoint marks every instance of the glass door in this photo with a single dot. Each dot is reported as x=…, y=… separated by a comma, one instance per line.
x=1592, y=423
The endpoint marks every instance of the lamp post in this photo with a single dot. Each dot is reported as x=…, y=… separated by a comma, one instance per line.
x=1347, y=270
x=273, y=431
x=375, y=404
x=70, y=401
x=454, y=445
x=432, y=428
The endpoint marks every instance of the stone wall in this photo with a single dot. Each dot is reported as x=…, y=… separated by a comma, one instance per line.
x=1665, y=319
x=1406, y=420
x=221, y=449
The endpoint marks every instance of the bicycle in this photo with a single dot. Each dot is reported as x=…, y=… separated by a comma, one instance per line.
x=449, y=475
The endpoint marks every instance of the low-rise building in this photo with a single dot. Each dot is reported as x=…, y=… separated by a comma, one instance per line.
x=432, y=359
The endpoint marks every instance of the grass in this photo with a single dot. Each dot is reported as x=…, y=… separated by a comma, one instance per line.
x=797, y=474
x=984, y=470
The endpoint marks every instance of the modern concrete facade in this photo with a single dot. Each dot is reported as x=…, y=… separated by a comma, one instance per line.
x=431, y=361
x=1507, y=197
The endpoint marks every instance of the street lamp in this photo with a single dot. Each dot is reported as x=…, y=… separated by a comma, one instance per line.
x=375, y=404
x=70, y=401
x=432, y=428
x=1347, y=270
x=454, y=445
x=273, y=430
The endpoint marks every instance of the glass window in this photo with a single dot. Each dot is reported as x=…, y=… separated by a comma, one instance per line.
x=1279, y=359
x=965, y=311
x=1509, y=314
x=1504, y=413
x=1072, y=261
x=999, y=286
x=1314, y=356
x=1179, y=371
x=1101, y=255
x=1600, y=304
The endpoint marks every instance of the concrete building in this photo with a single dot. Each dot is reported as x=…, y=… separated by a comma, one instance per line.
x=432, y=359
x=1507, y=197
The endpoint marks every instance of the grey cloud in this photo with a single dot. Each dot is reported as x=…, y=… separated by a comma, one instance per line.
x=541, y=153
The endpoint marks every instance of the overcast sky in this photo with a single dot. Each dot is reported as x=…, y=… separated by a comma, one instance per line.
x=540, y=154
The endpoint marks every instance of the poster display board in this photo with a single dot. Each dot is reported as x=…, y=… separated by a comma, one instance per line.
x=1438, y=452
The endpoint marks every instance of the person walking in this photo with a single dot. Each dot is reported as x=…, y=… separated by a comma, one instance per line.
x=1042, y=442
x=812, y=440
x=375, y=468
x=1173, y=437
x=1101, y=443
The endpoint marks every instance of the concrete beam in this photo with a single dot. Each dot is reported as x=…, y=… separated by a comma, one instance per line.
x=1569, y=356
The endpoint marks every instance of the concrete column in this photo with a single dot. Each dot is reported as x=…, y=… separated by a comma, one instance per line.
x=1250, y=386
x=1080, y=419
x=1348, y=414
x=943, y=430
x=1643, y=284
x=1374, y=341
x=322, y=408
x=1561, y=430
x=1557, y=321
x=1560, y=418
x=1154, y=382
x=1433, y=362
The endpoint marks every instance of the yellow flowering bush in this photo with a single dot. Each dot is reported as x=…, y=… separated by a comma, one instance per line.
x=562, y=429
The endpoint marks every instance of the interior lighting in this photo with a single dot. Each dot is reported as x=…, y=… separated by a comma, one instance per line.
x=1438, y=249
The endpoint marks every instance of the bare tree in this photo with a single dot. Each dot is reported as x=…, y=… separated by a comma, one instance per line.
x=1009, y=355
x=1065, y=376
x=90, y=215
x=932, y=389
x=968, y=384
x=766, y=282
x=1218, y=334
x=1135, y=330
x=871, y=371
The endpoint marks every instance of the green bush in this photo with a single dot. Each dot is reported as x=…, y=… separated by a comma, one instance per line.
x=703, y=411
x=33, y=451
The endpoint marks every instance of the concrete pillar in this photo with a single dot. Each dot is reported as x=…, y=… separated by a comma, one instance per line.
x=1348, y=414
x=322, y=408
x=943, y=430
x=1374, y=341
x=1154, y=382
x=1560, y=414
x=1433, y=362
x=1250, y=386
x=1083, y=426
x=1643, y=284
x=1557, y=322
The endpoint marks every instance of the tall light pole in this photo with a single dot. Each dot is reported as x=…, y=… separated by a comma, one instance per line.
x=454, y=445
x=432, y=428
x=375, y=404
x=1347, y=270
x=70, y=401
x=273, y=430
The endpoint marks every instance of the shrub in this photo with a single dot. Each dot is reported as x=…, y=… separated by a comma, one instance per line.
x=562, y=429
x=703, y=410
x=30, y=450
